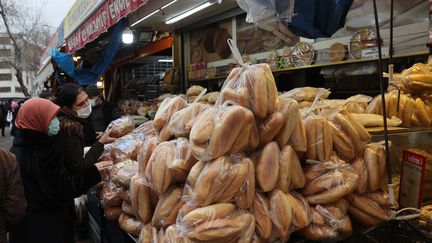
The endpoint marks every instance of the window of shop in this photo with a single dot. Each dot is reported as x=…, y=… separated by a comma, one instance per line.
x=5, y=52
x=5, y=89
x=4, y=65
x=149, y=70
x=5, y=76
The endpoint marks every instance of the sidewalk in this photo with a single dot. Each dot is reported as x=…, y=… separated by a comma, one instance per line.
x=6, y=142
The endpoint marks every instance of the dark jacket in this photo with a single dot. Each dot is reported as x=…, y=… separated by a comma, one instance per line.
x=103, y=114
x=12, y=200
x=3, y=115
x=49, y=189
x=71, y=139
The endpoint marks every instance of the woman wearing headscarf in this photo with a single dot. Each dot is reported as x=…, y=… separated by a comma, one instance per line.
x=49, y=187
x=75, y=130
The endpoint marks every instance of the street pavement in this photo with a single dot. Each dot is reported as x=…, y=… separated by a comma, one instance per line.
x=6, y=142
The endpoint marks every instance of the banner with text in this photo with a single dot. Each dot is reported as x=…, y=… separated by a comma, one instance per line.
x=107, y=15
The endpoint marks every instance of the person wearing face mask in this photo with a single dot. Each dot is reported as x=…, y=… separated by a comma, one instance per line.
x=103, y=112
x=49, y=186
x=75, y=130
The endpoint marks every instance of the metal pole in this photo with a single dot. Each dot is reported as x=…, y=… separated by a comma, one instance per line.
x=391, y=31
x=386, y=142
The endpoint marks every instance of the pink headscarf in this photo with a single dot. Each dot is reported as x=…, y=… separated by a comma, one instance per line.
x=36, y=114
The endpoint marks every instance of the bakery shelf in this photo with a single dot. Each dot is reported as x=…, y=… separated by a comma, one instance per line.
x=207, y=79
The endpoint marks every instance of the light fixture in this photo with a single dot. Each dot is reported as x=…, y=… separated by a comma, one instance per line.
x=165, y=60
x=99, y=84
x=127, y=36
x=189, y=13
x=169, y=4
x=148, y=16
x=76, y=58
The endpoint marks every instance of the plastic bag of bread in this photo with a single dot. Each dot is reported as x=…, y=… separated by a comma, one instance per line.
x=148, y=234
x=248, y=138
x=181, y=121
x=319, y=135
x=149, y=144
x=163, y=115
x=291, y=124
x=328, y=182
x=329, y=222
x=374, y=120
x=217, y=223
x=127, y=208
x=112, y=213
x=354, y=104
x=125, y=196
x=130, y=224
x=110, y=194
x=288, y=212
x=267, y=166
x=169, y=163
x=367, y=209
x=261, y=212
x=251, y=86
x=122, y=172
x=121, y=127
x=141, y=198
x=290, y=170
x=172, y=235
x=146, y=128
x=347, y=128
x=245, y=197
x=126, y=147
x=279, y=125
x=360, y=169
x=374, y=158
x=220, y=180
x=305, y=94
x=168, y=207
x=216, y=130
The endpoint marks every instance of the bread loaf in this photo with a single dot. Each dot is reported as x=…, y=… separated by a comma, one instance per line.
x=146, y=151
x=194, y=90
x=298, y=137
x=157, y=171
x=300, y=209
x=246, y=195
x=342, y=144
x=112, y=213
x=289, y=109
x=208, y=213
x=261, y=211
x=367, y=206
x=181, y=121
x=309, y=124
x=360, y=169
x=280, y=212
x=141, y=199
x=165, y=111
x=127, y=208
x=371, y=161
x=167, y=208
x=148, y=234
x=130, y=224
x=267, y=167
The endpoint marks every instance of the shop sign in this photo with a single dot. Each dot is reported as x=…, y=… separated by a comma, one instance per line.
x=107, y=15
x=412, y=179
x=78, y=13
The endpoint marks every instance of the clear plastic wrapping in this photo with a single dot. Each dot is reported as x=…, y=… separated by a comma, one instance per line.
x=168, y=207
x=251, y=86
x=304, y=94
x=261, y=212
x=319, y=136
x=290, y=170
x=374, y=158
x=130, y=224
x=220, y=180
x=303, y=54
x=267, y=166
x=126, y=147
x=141, y=199
x=146, y=128
x=288, y=212
x=121, y=127
x=110, y=194
x=367, y=211
x=181, y=121
x=169, y=163
x=149, y=144
x=127, y=208
x=122, y=172
x=218, y=128
x=217, y=222
x=329, y=222
x=163, y=115
x=112, y=213
x=360, y=169
x=329, y=182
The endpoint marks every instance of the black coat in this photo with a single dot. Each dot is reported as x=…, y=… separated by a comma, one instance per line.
x=49, y=190
x=72, y=140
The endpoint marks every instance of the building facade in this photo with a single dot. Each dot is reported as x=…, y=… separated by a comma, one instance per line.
x=9, y=86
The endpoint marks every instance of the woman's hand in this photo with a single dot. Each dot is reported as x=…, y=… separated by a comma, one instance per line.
x=105, y=138
x=103, y=166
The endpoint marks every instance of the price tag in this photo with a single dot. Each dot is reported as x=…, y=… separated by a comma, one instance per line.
x=373, y=52
x=412, y=179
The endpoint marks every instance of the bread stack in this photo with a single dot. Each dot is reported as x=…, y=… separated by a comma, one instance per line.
x=193, y=92
x=305, y=95
x=233, y=171
x=411, y=111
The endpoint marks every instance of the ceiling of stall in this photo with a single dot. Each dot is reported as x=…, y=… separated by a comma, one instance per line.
x=157, y=21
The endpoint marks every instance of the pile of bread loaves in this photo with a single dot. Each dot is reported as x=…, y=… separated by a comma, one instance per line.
x=253, y=167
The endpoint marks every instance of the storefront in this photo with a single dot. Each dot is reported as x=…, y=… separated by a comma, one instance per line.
x=273, y=136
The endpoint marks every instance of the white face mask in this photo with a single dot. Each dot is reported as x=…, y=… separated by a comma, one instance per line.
x=84, y=112
x=92, y=102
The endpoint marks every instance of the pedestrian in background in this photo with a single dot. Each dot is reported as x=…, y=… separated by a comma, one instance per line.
x=12, y=200
x=103, y=112
x=3, y=116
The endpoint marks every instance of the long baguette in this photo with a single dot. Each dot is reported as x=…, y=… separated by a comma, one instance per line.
x=261, y=211
x=289, y=109
x=366, y=205
x=280, y=212
x=311, y=138
x=270, y=127
x=245, y=197
x=267, y=167
x=208, y=213
x=363, y=217
x=361, y=130
x=342, y=144
x=371, y=161
x=298, y=137
x=319, y=134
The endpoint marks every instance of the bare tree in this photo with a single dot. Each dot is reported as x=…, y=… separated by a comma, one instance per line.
x=29, y=35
